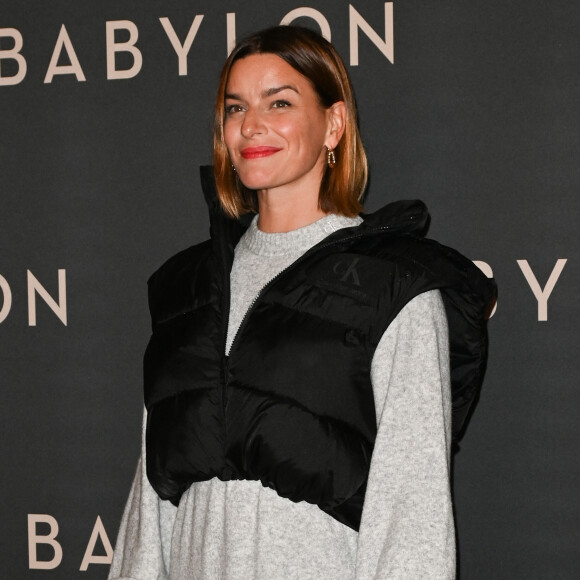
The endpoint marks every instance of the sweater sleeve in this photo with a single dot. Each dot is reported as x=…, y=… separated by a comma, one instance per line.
x=407, y=528
x=143, y=544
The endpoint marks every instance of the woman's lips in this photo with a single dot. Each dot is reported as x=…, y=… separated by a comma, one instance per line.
x=255, y=152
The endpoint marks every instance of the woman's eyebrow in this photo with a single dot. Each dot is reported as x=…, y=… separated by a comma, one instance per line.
x=275, y=90
x=265, y=94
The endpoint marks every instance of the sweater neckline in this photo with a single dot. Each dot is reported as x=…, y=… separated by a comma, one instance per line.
x=295, y=241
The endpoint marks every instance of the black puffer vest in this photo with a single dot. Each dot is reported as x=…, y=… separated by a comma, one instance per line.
x=292, y=405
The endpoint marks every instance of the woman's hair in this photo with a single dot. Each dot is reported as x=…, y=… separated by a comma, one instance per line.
x=316, y=59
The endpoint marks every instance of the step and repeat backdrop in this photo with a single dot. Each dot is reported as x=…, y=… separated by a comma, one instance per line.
x=105, y=118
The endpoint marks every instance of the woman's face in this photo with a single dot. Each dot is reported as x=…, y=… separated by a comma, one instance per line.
x=275, y=129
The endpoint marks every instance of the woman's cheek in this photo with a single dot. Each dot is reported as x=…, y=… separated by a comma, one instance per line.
x=230, y=138
x=287, y=128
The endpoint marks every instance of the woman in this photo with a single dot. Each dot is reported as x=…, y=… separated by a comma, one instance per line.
x=297, y=381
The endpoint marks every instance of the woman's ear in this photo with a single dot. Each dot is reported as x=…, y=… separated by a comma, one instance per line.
x=336, y=124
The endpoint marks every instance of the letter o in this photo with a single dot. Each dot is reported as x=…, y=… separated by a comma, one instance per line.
x=306, y=12
x=7, y=305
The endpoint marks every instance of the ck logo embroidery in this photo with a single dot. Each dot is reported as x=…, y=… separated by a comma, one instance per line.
x=347, y=271
x=360, y=278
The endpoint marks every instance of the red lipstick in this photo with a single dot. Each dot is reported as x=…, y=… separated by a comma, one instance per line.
x=256, y=152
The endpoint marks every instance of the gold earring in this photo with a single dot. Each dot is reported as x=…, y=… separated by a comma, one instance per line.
x=330, y=158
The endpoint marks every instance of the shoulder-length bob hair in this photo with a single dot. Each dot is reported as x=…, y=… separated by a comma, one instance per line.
x=315, y=58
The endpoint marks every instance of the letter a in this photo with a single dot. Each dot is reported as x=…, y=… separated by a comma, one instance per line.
x=34, y=539
x=89, y=557
x=12, y=54
x=74, y=67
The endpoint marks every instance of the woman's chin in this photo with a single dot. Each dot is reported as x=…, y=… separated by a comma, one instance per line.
x=255, y=182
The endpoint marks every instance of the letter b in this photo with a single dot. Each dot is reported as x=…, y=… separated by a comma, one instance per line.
x=12, y=54
x=34, y=539
x=129, y=46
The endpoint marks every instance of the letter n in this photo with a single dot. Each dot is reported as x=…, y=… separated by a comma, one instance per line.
x=35, y=287
x=386, y=46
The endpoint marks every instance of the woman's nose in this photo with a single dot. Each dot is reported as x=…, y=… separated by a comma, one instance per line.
x=253, y=123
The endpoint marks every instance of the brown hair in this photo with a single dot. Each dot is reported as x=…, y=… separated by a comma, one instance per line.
x=316, y=59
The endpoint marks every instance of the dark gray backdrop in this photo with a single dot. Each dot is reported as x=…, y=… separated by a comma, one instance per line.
x=478, y=116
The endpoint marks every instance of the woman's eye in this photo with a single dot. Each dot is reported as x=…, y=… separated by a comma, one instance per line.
x=230, y=109
x=280, y=104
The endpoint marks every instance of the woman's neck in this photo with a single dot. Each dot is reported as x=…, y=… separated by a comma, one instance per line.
x=279, y=214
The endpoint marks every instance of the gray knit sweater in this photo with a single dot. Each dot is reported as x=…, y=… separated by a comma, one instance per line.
x=240, y=530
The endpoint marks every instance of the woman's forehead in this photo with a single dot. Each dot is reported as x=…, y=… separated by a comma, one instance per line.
x=264, y=71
